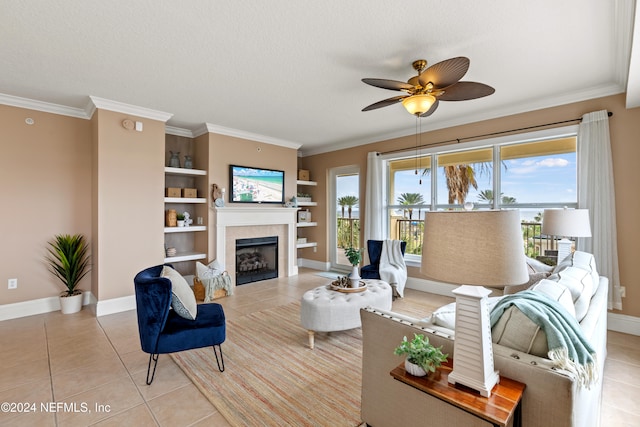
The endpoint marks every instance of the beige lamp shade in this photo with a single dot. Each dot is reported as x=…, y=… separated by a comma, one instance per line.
x=566, y=222
x=474, y=248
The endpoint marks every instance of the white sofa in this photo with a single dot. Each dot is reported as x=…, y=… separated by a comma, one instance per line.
x=553, y=397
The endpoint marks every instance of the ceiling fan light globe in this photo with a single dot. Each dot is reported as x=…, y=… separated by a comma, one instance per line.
x=418, y=104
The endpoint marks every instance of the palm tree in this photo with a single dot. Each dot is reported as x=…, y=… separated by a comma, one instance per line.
x=342, y=203
x=487, y=196
x=348, y=201
x=411, y=199
x=459, y=179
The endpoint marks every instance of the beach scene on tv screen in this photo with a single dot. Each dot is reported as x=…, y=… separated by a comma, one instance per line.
x=257, y=185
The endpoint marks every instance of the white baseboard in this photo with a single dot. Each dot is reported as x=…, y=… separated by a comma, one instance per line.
x=115, y=305
x=315, y=265
x=47, y=305
x=431, y=286
x=38, y=306
x=623, y=323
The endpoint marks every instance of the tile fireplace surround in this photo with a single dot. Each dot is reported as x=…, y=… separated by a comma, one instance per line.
x=233, y=223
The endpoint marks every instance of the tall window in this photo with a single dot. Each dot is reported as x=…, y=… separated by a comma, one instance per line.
x=529, y=175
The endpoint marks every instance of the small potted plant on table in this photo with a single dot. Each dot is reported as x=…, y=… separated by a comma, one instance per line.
x=422, y=357
x=354, y=256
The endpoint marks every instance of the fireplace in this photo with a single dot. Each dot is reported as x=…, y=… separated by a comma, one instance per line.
x=256, y=259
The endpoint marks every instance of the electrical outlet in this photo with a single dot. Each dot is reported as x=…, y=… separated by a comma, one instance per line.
x=623, y=292
x=13, y=283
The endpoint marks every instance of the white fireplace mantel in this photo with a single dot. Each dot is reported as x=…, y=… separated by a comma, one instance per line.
x=224, y=217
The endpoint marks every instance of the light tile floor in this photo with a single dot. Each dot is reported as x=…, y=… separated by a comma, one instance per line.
x=79, y=370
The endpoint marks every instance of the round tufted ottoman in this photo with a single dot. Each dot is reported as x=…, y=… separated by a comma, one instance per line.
x=324, y=310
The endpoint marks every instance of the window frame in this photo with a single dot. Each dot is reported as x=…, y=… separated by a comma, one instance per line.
x=495, y=143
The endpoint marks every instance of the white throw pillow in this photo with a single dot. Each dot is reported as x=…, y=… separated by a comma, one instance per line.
x=208, y=271
x=557, y=292
x=580, y=284
x=183, y=300
x=445, y=316
x=585, y=261
x=536, y=266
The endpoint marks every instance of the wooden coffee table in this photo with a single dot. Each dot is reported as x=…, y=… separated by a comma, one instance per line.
x=503, y=404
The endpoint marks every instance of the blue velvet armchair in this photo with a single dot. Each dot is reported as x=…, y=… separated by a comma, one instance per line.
x=374, y=248
x=163, y=331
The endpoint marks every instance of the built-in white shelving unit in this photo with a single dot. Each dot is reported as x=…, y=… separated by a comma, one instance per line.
x=306, y=224
x=189, y=241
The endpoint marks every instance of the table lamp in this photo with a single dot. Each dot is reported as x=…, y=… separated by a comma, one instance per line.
x=566, y=223
x=474, y=249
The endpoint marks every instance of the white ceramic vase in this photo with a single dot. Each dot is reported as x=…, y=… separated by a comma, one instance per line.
x=414, y=369
x=354, y=277
x=70, y=305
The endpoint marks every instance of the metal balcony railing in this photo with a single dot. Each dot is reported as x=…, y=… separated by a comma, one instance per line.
x=412, y=230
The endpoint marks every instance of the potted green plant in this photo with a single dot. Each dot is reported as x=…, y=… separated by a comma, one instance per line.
x=180, y=218
x=68, y=260
x=422, y=357
x=354, y=256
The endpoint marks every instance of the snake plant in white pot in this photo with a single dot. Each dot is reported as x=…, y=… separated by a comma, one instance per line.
x=68, y=260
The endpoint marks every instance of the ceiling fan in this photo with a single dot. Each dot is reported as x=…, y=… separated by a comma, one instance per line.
x=439, y=82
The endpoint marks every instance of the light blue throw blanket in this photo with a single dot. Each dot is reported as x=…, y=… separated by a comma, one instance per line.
x=568, y=348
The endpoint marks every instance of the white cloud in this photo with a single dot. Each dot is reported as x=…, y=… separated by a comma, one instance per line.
x=551, y=163
x=531, y=166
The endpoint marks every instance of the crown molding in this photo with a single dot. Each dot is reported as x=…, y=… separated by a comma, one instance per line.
x=46, y=107
x=172, y=130
x=248, y=135
x=121, y=107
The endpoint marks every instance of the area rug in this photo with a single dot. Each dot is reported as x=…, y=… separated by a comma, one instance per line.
x=272, y=378
x=330, y=274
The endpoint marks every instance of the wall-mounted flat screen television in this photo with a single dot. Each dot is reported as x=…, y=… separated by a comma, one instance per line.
x=256, y=185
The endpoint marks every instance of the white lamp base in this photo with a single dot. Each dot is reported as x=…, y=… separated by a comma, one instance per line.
x=472, y=348
x=564, y=249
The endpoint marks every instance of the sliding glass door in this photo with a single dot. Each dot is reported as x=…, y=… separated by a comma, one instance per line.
x=344, y=214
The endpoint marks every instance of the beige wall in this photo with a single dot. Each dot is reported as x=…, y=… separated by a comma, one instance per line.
x=70, y=175
x=128, y=205
x=45, y=183
x=624, y=128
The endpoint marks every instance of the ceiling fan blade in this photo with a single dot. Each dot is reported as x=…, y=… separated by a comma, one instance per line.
x=445, y=73
x=463, y=91
x=384, y=103
x=389, y=84
x=430, y=110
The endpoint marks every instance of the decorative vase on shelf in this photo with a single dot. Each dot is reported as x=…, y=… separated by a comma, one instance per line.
x=188, y=163
x=354, y=277
x=174, y=161
x=413, y=369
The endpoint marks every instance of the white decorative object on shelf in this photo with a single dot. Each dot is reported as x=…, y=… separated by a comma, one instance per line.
x=187, y=219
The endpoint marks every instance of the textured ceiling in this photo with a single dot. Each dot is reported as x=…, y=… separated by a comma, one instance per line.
x=291, y=70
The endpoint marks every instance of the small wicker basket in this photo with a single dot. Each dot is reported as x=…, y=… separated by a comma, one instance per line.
x=200, y=291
